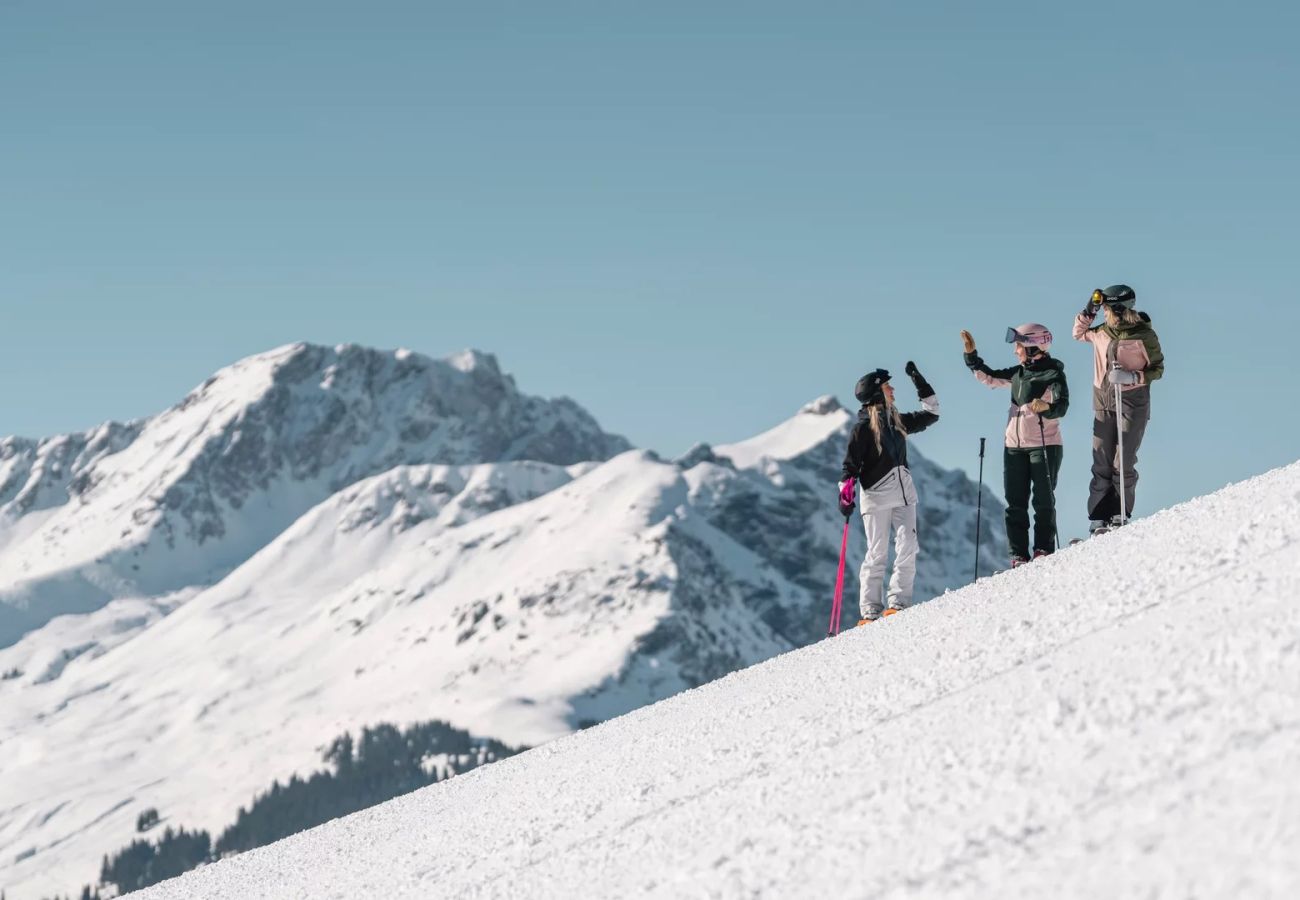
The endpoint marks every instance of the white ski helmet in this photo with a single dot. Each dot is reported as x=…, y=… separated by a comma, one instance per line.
x=1031, y=334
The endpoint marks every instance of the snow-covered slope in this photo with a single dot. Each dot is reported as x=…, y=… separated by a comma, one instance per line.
x=518, y=600
x=177, y=501
x=1122, y=719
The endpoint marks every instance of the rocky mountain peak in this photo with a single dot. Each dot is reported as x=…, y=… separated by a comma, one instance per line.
x=822, y=406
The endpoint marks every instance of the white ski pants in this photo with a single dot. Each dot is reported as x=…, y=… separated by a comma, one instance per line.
x=901, y=520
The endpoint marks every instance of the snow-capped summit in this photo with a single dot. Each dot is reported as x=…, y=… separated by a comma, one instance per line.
x=813, y=425
x=822, y=406
x=474, y=360
x=175, y=501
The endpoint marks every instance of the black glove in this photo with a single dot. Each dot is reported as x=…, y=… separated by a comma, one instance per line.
x=923, y=388
x=1094, y=303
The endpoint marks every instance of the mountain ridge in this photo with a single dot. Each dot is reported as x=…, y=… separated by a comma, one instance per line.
x=181, y=498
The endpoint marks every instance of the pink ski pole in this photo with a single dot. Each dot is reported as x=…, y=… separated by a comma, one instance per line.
x=837, y=604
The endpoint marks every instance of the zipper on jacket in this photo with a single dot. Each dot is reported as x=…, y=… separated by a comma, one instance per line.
x=898, y=465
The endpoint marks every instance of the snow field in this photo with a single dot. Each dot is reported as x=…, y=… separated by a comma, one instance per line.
x=1122, y=719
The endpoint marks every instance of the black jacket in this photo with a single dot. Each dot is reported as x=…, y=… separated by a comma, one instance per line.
x=863, y=462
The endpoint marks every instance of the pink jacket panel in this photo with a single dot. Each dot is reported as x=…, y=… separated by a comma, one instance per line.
x=1022, y=422
x=1131, y=355
x=1023, y=431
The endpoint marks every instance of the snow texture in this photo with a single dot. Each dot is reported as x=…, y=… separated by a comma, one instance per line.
x=1122, y=719
x=388, y=539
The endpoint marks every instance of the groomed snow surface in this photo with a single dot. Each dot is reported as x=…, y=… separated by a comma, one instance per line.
x=1120, y=720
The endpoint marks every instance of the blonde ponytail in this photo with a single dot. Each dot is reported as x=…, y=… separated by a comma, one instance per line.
x=877, y=425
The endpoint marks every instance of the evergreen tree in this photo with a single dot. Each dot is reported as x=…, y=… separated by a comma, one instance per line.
x=382, y=763
x=146, y=820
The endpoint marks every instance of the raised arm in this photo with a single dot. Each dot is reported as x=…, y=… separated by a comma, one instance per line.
x=1083, y=321
x=994, y=378
x=929, y=414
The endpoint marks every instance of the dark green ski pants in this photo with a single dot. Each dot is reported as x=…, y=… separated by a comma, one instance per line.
x=1021, y=469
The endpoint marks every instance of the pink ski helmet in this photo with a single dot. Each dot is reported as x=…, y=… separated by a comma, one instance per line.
x=1030, y=334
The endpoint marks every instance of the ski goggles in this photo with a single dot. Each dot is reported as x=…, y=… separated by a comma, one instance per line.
x=1035, y=340
x=1101, y=298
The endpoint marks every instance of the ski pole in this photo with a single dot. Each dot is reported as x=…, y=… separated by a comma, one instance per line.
x=979, y=509
x=1051, y=487
x=838, y=602
x=1119, y=431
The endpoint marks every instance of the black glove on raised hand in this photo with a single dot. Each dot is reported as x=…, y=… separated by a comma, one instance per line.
x=923, y=388
x=1094, y=303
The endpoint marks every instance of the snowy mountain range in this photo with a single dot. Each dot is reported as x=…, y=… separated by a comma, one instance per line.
x=1121, y=719
x=147, y=508
x=318, y=539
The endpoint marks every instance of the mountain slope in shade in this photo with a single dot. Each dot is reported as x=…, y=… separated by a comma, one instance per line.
x=1087, y=726
x=158, y=506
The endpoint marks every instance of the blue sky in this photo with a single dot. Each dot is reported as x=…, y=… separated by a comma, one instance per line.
x=691, y=217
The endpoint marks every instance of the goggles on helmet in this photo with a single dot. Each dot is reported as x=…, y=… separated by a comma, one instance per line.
x=1037, y=339
x=1118, y=296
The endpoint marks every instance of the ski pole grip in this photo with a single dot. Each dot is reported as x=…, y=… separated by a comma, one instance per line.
x=846, y=492
x=982, y=447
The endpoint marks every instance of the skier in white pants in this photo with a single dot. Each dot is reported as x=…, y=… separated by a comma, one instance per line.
x=877, y=459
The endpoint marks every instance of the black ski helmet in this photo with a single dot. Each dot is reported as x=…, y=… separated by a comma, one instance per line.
x=1119, y=295
x=868, y=390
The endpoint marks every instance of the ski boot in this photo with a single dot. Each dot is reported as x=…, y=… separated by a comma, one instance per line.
x=891, y=611
x=1039, y=554
x=862, y=622
x=1098, y=526
x=1018, y=561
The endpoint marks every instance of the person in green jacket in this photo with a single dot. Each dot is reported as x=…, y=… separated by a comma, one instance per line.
x=1126, y=353
x=1031, y=459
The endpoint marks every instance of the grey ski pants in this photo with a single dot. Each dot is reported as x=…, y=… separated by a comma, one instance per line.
x=1103, y=494
x=901, y=520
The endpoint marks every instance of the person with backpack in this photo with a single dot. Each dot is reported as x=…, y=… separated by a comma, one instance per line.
x=1033, y=450
x=1126, y=356
x=876, y=459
